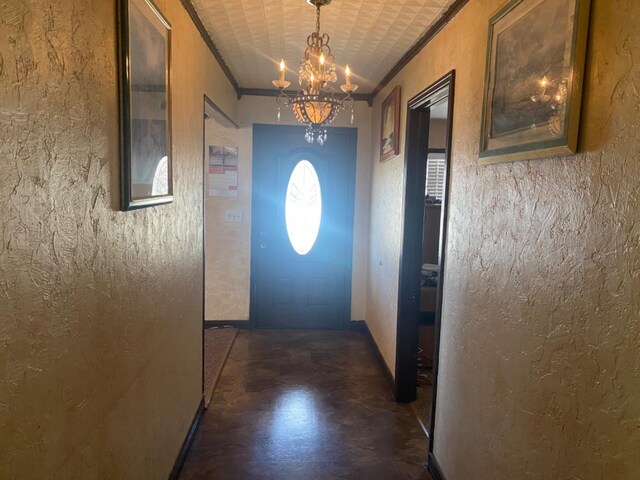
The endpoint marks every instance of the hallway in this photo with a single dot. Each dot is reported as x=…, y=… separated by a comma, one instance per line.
x=305, y=405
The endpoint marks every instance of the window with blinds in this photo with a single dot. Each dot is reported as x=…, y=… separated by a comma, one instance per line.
x=435, y=175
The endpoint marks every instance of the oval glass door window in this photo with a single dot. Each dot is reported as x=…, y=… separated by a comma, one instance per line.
x=303, y=207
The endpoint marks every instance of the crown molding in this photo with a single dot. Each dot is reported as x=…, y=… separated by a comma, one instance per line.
x=429, y=35
x=188, y=6
x=451, y=12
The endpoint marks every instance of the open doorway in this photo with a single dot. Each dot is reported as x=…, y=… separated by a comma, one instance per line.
x=427, y=167
x=435, y=176
x=220, y=180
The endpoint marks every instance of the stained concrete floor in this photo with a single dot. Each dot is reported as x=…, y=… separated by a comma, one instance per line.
x=305, y=405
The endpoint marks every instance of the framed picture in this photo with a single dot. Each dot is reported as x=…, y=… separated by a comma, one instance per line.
x=534, y=78
x=145, y=105
x=390, y=130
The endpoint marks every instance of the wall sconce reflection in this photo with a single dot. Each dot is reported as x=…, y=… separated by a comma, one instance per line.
x=552, y=94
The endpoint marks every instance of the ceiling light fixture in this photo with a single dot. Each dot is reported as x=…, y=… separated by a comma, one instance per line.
x=316, y=104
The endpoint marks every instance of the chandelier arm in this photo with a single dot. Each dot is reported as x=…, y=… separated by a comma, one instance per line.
x=283, y=99
x=316, y=104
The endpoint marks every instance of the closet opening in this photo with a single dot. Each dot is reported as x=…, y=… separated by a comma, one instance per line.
x=422, y=265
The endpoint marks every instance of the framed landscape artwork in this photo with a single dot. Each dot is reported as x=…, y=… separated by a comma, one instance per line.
x=145, y=105
x=534, y=79
x=390, y=130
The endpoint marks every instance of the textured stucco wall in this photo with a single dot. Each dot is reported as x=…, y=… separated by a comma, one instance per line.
x=252, y=109
x=100, y=310
x=228, y=245
x=540, y=354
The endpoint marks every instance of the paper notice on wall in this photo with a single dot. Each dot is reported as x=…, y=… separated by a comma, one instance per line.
x=223, y=171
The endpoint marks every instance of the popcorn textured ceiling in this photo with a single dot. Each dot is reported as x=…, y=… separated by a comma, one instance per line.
x=370, y=36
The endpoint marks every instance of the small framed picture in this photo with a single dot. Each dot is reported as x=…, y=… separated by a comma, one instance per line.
x=390, y=130
x=145, y=105
x=534, y=79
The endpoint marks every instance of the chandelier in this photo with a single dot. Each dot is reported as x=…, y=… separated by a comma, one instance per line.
x=316, y=104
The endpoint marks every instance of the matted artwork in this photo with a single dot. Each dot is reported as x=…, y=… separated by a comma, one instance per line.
x=390, y=130
x=145, y=57
x=534, y=78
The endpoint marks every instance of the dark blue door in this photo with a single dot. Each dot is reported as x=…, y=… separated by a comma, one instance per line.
x=302, y=231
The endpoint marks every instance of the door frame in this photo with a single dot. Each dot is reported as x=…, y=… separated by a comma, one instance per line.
x=206, y=101
x=222, y=117
x=408, y=319
x=274, y=129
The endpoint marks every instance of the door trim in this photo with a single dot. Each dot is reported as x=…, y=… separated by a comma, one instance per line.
x=408, y=314
x=410, y=261
x=273, y=129
x=206, y=101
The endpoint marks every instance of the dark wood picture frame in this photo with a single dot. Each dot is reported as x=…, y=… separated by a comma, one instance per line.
x=390, y=147
x=534, y=78
x=145, y=105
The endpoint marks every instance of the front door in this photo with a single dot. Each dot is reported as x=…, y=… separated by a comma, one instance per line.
x=302, y=231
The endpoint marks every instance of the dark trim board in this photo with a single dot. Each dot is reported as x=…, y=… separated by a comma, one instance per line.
x=265, y=92
x=408, y=313
x=408, y=317
x=358, y=326
x=434, y=468
x=379, y=358
x=429, y=35
x=354, y=325
x=188, y=6
x=188, y=441
x=228, y=323
x=451, y=12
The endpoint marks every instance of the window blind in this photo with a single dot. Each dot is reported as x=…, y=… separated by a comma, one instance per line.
x=435, y=177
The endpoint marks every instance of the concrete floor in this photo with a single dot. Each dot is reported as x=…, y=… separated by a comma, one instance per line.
x=305, y=405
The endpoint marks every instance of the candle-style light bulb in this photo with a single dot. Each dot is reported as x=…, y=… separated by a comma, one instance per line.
x=347, y=74
x=282, y=70
x=322, y=60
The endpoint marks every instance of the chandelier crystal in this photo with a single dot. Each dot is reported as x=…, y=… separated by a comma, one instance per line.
x=316, y=104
